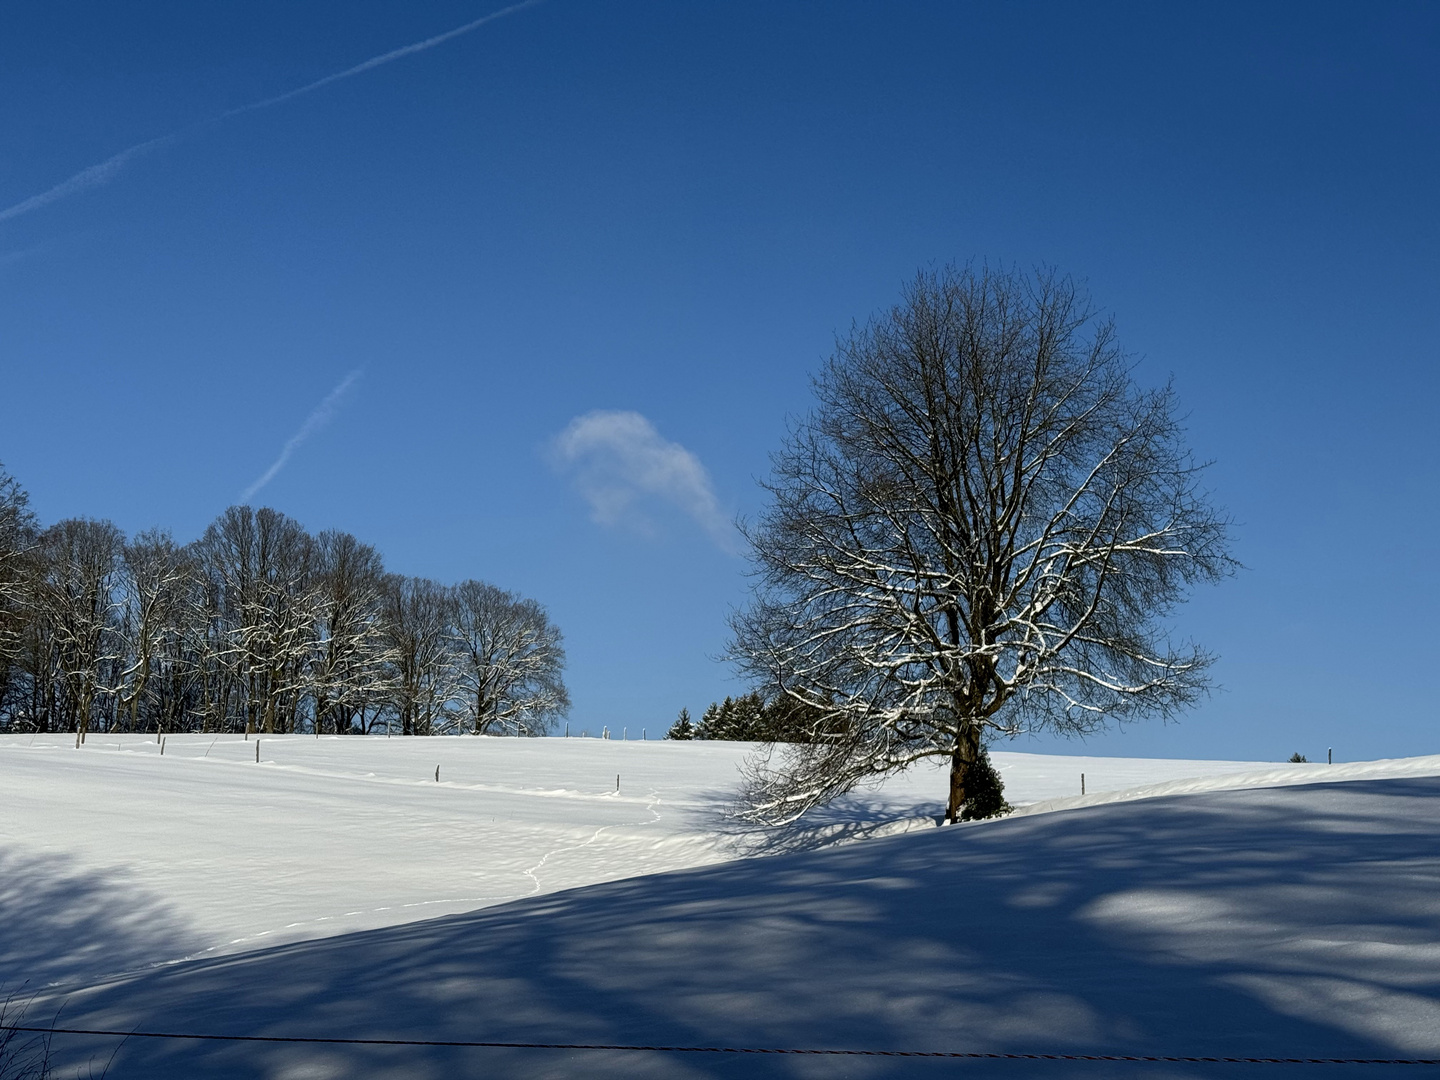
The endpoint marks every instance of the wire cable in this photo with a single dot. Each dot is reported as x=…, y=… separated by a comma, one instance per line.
x=972, y=1054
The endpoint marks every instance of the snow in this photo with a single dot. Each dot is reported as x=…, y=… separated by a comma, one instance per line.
x=331, y=835
x=1240, y=908
x=1229, y=778
x=216, y=854
x=209, y=852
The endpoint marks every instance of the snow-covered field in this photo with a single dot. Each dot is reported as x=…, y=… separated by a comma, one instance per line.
x=1212, y=918
x=120, y=858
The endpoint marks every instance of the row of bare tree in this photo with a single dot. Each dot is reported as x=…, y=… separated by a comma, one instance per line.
x=257, y=626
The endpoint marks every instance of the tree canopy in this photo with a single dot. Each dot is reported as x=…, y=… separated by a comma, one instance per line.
x=256, y=626
x=983, y=527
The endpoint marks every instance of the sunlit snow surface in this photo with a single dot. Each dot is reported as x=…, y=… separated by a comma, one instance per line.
x=1299, y=919
x=203, y=850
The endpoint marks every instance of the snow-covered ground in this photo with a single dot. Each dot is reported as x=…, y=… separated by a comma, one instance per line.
x=1251, y=909
x=117, y=857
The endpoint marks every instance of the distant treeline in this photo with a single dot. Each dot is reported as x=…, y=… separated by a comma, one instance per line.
x=751, y=718
x=256, y=626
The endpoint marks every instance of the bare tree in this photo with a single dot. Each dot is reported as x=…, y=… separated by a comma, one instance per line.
x=261, y=564
x=158, y=589
x=229, y=555
x=348, y=670
x=422, y=677
x=982, y=528
x=289, y=603
x=175, y=693
x=511, y=662
x=17, y=537
x=255, y=626
x=17, y=545
x=81, y=562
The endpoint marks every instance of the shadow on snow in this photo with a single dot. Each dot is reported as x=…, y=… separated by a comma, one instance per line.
x=1301, y=921
x=61, y=924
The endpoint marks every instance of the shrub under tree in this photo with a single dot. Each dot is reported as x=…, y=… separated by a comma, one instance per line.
x=985, y=793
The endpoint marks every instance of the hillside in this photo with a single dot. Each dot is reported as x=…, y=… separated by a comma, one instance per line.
x=1299, y=921
x=113, y=858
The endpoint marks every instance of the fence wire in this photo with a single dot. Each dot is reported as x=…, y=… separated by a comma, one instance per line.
x=819, y=1052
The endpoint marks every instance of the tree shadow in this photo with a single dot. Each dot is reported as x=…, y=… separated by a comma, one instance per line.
x=857, y=816
x=1294, y=922
x=62, y=924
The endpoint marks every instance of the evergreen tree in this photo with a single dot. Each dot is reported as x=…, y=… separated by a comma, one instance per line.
x=789, y=721
x=715, y=720
x=750, y=718
x=682, y=728
x=747, y=719
x=985, y=791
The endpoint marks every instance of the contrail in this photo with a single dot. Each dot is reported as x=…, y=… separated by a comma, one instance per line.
x=85, y=179
x=9, y=257
x=313, y=423
x=376, y=61
x=103, y=173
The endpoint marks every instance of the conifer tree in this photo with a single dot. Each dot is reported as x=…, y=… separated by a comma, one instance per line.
x=682, y=728
x=985, y=793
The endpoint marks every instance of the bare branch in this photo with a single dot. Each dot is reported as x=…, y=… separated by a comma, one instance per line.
x=981, y=528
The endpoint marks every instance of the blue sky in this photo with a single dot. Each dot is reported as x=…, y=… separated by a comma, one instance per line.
x=584, y=257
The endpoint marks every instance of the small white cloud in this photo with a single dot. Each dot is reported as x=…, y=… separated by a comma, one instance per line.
x=618, y=461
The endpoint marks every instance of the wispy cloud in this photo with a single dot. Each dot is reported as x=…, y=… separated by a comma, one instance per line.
x=377, y=61
x=618, y=461
x=85, y=179
x=318, y=418
x=44, y=247
x=9, y=258
x=107, y=170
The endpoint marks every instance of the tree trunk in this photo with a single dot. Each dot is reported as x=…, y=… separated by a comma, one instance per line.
x=139, y=689
x=270, y=702
x=967, y=750
x=251, y=708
